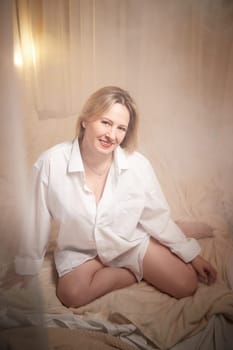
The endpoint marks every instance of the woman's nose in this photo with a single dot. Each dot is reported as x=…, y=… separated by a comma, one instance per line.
x=111, y=133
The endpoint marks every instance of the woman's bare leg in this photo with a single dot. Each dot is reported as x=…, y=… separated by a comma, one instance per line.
x=90, y=281
x=168, y=273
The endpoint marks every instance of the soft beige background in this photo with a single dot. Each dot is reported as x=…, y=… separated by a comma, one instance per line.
x=176, y=59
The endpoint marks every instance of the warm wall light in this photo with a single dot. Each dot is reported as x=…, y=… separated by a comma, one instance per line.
x=24, y=46
x=24, y=51
x=29, y=51
x=18, y=59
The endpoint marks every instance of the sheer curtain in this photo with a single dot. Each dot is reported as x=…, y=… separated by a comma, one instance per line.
x=13, y=187
x=153, y=46
x=176, y=59
x=14, y=220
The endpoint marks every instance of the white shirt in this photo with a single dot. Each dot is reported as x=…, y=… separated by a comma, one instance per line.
x=132, y=209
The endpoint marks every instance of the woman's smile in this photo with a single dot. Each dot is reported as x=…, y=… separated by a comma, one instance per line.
x=106, y=143
x=106, y=132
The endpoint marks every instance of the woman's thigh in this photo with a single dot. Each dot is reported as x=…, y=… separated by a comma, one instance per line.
x=167, y=272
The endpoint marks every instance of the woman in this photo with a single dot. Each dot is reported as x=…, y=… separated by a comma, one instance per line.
x=114, y=222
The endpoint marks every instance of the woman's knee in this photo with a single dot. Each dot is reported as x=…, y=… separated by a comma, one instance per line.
x=73, y=289
x=70, y=297
x=187, y=285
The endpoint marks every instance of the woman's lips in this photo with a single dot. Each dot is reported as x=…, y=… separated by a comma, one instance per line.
x=105, y=143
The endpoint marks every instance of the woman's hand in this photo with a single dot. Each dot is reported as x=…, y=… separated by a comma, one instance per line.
x=205, y=271
x=12, y=278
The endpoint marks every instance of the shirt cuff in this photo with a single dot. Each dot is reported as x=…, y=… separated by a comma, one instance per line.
x=27, y=266
x=186, y=251
x=185, y=248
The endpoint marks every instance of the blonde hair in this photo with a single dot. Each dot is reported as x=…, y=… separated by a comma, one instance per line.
x=100, y=102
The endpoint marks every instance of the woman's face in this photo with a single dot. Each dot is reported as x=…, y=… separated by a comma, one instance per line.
x=108, y=131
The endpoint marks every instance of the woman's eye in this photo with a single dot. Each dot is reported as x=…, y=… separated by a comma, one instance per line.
x=122, y=128
x=105, y=122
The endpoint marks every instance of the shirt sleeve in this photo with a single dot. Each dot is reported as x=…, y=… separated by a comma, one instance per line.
x=156, y=220
x=34, y=242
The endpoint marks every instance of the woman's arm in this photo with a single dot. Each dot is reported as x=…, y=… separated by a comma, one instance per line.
x=12, y=278
x=180, y=237
x=195, y=229
x=33, y=242
x=32, y=248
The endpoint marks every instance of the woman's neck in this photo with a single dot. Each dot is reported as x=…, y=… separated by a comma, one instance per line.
x=96, y=162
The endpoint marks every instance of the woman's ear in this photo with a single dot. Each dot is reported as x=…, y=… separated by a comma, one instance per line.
x=84, y=124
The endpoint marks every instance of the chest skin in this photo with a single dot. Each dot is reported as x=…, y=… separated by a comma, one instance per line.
x=96, y=184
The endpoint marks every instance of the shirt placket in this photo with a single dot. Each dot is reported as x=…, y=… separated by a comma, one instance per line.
x=103, y=215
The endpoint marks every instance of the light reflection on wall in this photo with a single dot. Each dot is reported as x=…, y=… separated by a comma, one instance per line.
x=24, y=51
x=24, y=46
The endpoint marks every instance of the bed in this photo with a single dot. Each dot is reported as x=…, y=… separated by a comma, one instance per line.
x=137, y=317
x=186, y=108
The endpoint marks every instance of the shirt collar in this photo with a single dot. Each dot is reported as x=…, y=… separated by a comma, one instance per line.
x=120, y=160
x=76, y=164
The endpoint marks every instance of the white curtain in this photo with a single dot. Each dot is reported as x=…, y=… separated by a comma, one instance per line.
x=14, y=220
x=13, y=187
x=56, y=42
x=152, y=47
x=176, y=59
